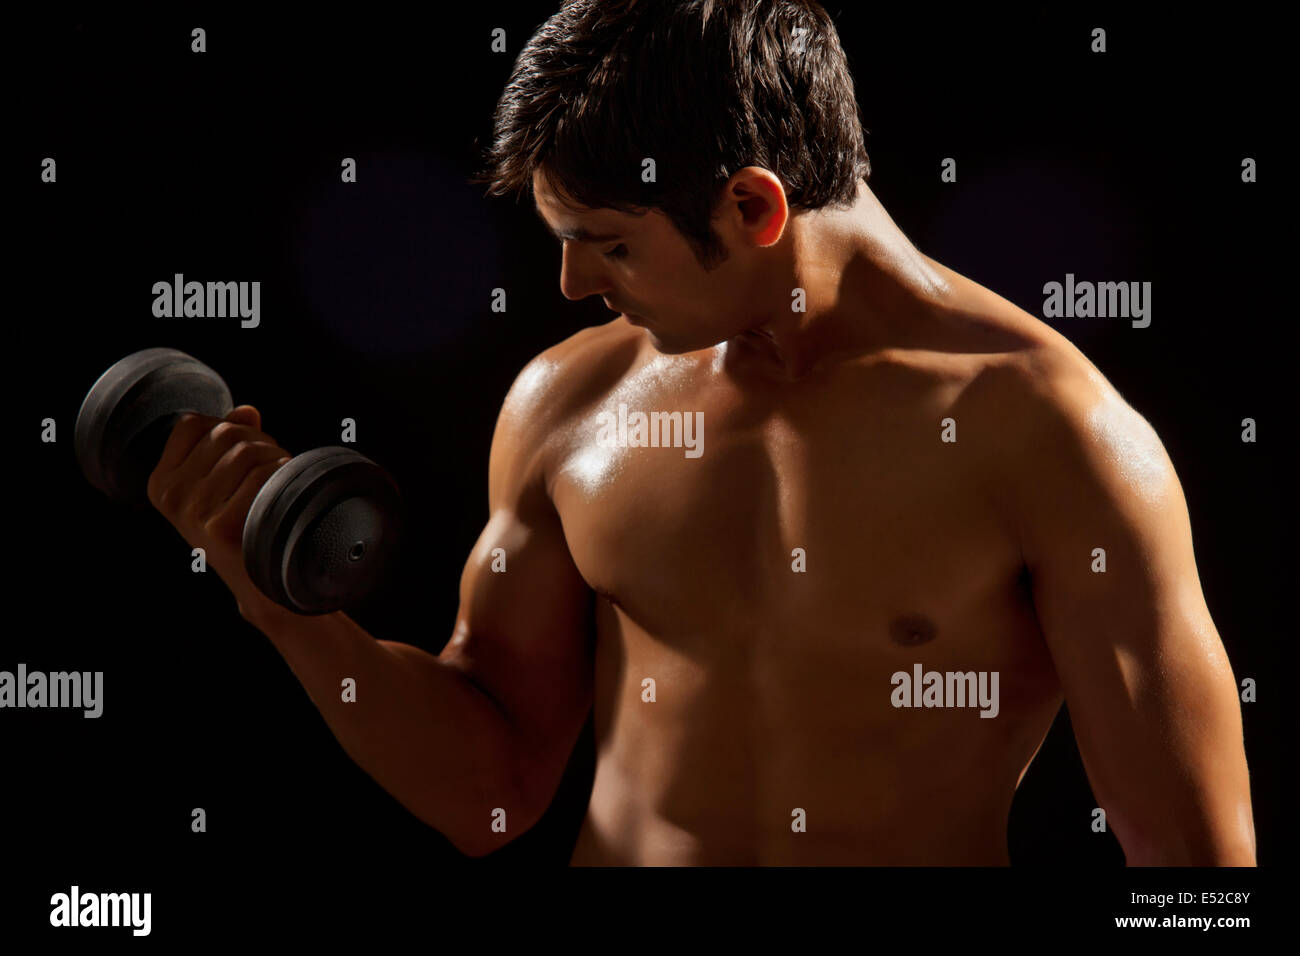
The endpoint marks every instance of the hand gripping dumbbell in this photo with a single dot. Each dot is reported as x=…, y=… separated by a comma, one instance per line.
x=319, y=534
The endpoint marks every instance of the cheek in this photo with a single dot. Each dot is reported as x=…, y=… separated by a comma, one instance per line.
x=691, y=289
x=676, y=287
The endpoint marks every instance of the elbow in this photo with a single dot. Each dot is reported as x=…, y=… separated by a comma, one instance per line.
x=476, y=848
x=1222, y=836
x=476, y=841
x=1235, y=848
x=496, y=815
x=1238, y=855
x=485, y=840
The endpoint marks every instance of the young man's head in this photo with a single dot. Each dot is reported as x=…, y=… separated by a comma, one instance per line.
x=667, y=143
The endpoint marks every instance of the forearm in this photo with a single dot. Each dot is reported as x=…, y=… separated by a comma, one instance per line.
x=420, y=728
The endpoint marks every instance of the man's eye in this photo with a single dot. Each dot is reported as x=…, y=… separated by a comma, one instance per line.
x=618, y=252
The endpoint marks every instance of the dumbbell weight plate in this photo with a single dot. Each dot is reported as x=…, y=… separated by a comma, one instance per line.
x=322, y=530
x=126, y=417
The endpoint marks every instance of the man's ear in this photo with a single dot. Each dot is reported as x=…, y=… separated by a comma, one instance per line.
x=754, y=206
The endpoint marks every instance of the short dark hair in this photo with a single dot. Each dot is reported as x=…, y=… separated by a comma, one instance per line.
x=704, y=87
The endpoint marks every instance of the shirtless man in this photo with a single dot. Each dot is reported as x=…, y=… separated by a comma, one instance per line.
x=908, y=473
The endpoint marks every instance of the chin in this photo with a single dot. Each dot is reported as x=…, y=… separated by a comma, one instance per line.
x=671, y=347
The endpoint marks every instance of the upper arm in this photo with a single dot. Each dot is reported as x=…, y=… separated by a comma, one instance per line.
x=1150, y=691
x=523, y=631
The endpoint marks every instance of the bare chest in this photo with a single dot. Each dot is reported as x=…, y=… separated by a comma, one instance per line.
x=860, y=508
x=762, y=594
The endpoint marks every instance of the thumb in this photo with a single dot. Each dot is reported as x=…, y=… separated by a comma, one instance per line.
x=246, y=415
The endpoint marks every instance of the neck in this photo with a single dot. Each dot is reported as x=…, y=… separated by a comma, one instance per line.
x=860, y=276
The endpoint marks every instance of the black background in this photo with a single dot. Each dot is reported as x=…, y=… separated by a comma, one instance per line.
x=375, y=306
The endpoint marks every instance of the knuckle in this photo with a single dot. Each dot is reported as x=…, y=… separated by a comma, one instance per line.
x=224, y=429
x=243, y=454
x=262, y=470
x=215, y=523
x=258, y=476
x=168, y=499
x=192, y=515
x=191, y=424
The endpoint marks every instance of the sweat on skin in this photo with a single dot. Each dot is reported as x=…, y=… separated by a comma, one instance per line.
x=651, y=430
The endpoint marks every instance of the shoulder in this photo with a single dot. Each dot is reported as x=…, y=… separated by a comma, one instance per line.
x=561, y=381
x=1068, y=408
x=1070, y=450
x=555, y=389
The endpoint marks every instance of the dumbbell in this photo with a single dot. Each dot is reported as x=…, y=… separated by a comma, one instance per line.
x=320, y=533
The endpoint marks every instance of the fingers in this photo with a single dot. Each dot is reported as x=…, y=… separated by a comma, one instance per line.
x=241, y=500
x=246, y=415
x=229, y=473
x=216, y=437
x=206, y=460
x=187, y=431
x=218, y=463
x=228, y=518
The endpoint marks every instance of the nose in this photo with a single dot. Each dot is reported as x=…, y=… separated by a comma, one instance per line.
x=580, y=275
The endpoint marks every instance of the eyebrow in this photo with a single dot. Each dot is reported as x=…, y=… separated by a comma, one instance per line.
x=576, y=235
